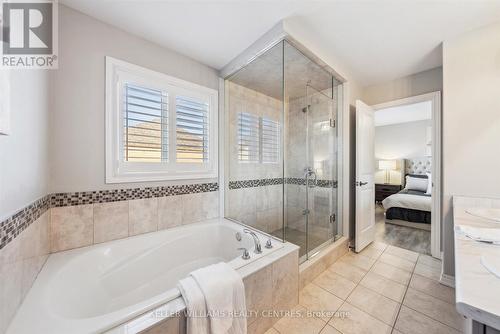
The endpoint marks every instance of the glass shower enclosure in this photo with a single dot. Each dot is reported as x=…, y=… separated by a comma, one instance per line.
x=281, y=148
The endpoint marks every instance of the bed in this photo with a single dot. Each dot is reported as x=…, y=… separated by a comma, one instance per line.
x=411, y=207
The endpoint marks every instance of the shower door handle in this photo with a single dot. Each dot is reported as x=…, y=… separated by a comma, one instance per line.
x=361, y=183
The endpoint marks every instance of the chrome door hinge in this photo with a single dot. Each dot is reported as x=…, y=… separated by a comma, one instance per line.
x=333, y=217
x=333, y=123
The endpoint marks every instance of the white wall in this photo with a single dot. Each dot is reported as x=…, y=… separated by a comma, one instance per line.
x=471, y=122
x=24, y=153
x=415, y=84
x=400, y=141
x=77, y=115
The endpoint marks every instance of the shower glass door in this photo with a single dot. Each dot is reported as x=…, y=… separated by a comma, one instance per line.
x=320, y=170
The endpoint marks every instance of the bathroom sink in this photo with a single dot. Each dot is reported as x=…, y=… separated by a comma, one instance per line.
x=486, y=213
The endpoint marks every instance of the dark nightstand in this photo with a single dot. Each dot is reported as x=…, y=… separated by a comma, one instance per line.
x=385, y=190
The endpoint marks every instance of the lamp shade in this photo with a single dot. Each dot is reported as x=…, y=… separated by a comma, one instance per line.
x=387, y=164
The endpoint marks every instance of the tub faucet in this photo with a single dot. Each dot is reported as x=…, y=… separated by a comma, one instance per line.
x=256, y=240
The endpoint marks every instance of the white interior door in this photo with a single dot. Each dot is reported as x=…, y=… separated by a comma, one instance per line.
x=365, y=173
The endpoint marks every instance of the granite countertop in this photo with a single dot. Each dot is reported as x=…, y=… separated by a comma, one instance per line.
x=477, y=290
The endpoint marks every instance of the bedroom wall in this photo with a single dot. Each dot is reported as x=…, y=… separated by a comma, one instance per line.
x=400, y=141
x=471, y=123
x=415, y=84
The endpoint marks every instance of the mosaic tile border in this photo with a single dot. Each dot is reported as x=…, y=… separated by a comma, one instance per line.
x=115, y=195
x=289, y=180
x=11, y=227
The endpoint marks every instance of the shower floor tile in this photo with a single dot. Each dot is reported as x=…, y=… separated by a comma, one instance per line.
x=298, y=238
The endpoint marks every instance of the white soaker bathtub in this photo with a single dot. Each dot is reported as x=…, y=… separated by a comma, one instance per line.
x=93, y=289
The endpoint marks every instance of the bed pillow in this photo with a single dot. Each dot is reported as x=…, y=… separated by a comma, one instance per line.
x=416, y=183
x=429, y=184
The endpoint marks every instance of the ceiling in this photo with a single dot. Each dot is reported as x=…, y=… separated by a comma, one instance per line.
x=377, y=40
x=404, y=114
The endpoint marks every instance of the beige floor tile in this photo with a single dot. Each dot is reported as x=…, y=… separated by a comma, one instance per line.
x=348, y=271
x=299, y=323
x=384, y=286
x=272, y=331
x=329, y=330
x=316, y=299
x=434, y=308
x=403, y=253
x=379, y=245
x=429, y=261
x=395, y=331
x=433, y=288
x=374, y=304
x=372, y=251
x=334, y=283
x=395, y=274
x=412, y=322
x=428, y=271
x=356, y=321
x=397, y=262
x=358, y=260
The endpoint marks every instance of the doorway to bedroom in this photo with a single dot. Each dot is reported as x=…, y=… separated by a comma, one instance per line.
x=406, y=155
x=397, y=172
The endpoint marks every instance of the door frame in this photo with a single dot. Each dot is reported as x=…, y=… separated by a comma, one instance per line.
x=435, y=98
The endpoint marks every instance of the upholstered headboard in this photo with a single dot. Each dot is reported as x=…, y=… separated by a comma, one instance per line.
x=418, y=166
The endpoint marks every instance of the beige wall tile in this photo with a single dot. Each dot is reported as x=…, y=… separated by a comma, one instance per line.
x=201, y=206
x=285, y=276
x=258, y=292
x=356, y=321
x=143, y=216
x=174, y=325
x=170, y=211
x=413, y=322
x=71, y=227
x=375, y=304
x=110, y=221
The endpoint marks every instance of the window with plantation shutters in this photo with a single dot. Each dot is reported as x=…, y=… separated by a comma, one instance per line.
x=258, y=139
x=270, y=139
x=192, y=122
x=248, y=137
x=146, y=124
x=158, y=127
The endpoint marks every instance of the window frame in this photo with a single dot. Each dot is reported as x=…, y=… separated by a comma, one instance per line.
x=118, y=170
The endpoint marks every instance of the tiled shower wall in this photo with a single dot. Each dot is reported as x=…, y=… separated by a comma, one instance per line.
x=259, y=203
x=65, y=221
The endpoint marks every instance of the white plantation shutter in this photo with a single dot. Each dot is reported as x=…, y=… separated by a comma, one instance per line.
x=270, y=139
x=158, y=127
x=248, y=137
x=192, y=130
x=146, y=124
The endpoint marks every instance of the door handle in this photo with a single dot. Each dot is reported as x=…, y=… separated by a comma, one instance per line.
x=361, y=183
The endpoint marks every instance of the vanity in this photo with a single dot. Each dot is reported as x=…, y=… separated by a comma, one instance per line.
x=477, y=288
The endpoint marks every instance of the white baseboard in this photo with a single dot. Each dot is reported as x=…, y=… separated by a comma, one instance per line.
x=447, y=280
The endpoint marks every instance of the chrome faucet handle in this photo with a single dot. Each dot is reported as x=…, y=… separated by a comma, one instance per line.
x=256, y=240
x=269, y=243
x=245, y=255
